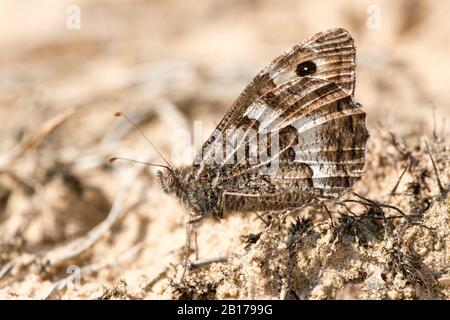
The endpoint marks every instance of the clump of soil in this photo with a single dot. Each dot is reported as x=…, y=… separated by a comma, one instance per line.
x=379, y=248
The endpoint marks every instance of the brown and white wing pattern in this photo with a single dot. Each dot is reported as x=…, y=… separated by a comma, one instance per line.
x=321, y=138
x=304, y=101
x=333, y=53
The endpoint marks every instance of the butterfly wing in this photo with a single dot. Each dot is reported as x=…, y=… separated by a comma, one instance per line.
x=320, y=128
x=319, y=135
x=333, y=53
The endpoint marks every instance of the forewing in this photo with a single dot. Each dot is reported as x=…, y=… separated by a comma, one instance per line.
x=333, y=54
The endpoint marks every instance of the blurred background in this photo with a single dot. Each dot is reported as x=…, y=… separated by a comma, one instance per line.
x=67, y=66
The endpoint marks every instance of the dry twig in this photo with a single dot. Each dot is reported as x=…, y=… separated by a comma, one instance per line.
x=77, y=247
x=36, y=138
x=89, y=269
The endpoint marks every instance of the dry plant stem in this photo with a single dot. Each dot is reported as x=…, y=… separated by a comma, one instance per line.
x=24, y=260
x=29, y=215
x=33, y=205
x=89, y=269
x=261, y=218
x=156, y=279
x=36, y=138
x=370, y=203
x=394, y=190
x=377, y=204
x=436, y=172
x=435, y=135
x=33, y=140
x=202, y=262
x=329, y=214
x=7, y=269
x=79, y=246
x=399, y=145
x=353, y=214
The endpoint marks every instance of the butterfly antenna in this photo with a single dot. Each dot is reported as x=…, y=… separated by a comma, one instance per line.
x=120, y=114
x=111, y=160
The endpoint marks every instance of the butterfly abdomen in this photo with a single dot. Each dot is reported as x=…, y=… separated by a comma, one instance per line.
x=283, y=201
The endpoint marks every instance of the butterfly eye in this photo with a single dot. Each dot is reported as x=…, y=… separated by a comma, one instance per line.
x=170, y=180
x=306, y=68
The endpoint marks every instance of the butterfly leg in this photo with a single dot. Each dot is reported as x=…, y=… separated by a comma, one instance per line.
x=189, y=231
x=195, y=244
x=188, y=249
x=195, y=220
x=188, y=225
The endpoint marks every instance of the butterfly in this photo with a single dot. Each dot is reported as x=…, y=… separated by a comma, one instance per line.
x=294, y=134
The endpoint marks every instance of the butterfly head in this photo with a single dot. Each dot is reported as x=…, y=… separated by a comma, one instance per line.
x=174, y=180
x=169, y=180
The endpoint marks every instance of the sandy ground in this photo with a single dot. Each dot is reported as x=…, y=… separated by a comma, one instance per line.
x=74, y=227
